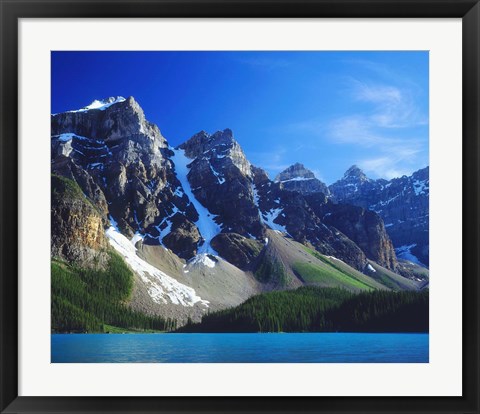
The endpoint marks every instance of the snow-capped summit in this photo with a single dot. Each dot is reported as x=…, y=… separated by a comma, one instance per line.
x=297, y=172
x=301, y=179
x=101, y=104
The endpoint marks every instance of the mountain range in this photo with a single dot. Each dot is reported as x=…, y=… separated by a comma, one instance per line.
x=202, y=229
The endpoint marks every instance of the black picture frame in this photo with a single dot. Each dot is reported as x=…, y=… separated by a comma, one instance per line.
x=12, y=10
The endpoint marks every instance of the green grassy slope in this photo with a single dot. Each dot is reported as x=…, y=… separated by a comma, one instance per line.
x=391, y=279
x=327, y=276
x=349, y=275
x=287, y=264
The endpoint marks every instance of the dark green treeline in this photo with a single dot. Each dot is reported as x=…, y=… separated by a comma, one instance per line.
x=85, y=300
x=312, y=309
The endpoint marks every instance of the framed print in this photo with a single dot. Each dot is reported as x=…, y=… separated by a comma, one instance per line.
x=240, y=206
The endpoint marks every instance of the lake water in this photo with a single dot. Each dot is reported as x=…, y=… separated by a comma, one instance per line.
x=274, y=347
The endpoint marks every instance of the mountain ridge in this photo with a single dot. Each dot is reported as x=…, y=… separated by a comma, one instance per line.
x=201, y=194
x=401, y=202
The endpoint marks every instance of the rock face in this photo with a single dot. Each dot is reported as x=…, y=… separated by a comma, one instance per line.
x=220, y=178
x=298, y=178
x=183, y=238
x=236, y=249
x=122, y=161
x=289, y=212
x=365, y=228
x=78, y=234
x=403, y=204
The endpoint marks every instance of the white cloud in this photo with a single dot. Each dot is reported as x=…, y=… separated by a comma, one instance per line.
x=375, y=125
x=397, y=161
x=382, y=118
x=378, y=93
x=358, y=130
x=392, y=107
x=383, y=167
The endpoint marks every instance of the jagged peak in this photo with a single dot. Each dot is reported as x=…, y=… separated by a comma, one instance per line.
x=218, y=145
x=223, y=135
x=296, y=170
x=102, y=104
x=201, y=136
x=356, y=172
x=203, y=141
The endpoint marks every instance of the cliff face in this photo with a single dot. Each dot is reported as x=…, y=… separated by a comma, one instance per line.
x=220, y=178
x=403, y=204
x=366, y=229
x=289, y=212
x=78, y=234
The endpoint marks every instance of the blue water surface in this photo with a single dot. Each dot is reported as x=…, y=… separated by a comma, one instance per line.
x=249, y=347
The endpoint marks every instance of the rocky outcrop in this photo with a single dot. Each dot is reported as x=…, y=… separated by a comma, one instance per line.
x=298, y=178
x=289, y=212
x=219, y=145
x=354, y=184
x=78, y=234
x=365, y=228
x=183, y=237
x=236, y=249
x=403, y=204
x=220, y=178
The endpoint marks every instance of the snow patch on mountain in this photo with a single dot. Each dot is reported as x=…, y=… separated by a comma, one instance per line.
x=202, y=259
x=164, y=227
x=101, y=104
x=136, y=238
x=64, y=137
x=404, y=252
x=420, y=186
x=370, y=268
x=161, y=287
x=205, y=223
x=68, y=136
x=220, y=179
x=166, y=230
x=297, y=179
x=269, y=218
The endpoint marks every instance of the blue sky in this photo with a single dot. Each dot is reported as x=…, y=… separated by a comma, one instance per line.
x=327, y=110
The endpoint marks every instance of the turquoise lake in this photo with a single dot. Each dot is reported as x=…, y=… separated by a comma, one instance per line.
x=241, y=348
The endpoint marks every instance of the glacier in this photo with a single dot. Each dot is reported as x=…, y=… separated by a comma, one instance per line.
x=161, y=287
x=206, y=224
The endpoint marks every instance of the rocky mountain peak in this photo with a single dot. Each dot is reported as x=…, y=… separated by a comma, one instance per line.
x=218, y=148
x=401, y=202
x=295, y=171
x=301, y=179
x=111, y=100
x=227, y=133
x=355, y=172
x=111, y=120
x=101, y=104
